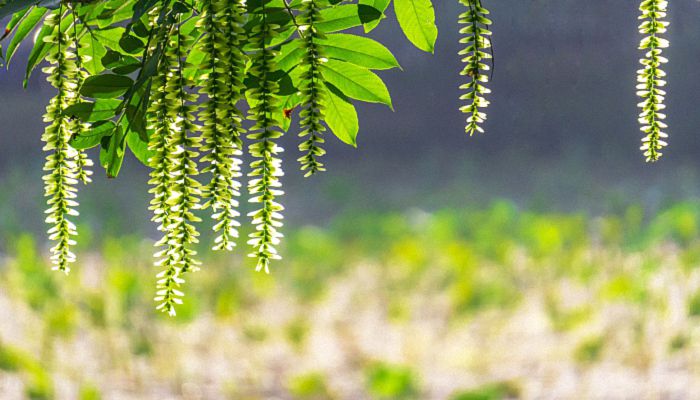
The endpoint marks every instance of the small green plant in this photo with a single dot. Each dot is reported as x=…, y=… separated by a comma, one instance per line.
x=493, y=391
x=386, y=381
x=694, y=305
x=590, y=350
x=38, y=385
x=89, y=392
x=310, y=386
x=678, y=343
x=297, y=333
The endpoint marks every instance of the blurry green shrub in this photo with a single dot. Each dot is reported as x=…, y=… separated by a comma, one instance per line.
x=371, y=231
x=38, y=385
x=563, y=319
x=546, y=235
x=255, y=333
x=678, y=343
x=89, y=392
x=626, y=287
x=125, y=288
x=314, y=257
x=61, y=319
x=93, y=304
x=493, y=391
x=412, y=257
x=30, y=275
x=590, y=350
x=310, y=386
x=678, y=223
x=690, y=256
x=694, y=305
x=386, y=381
x=469, y=296
x=141, y=341
x=297, y=331
x=228, y=300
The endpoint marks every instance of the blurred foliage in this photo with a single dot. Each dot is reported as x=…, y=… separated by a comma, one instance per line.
x=89, y=392
x=494, y=391
x=386, y=381
x=590, y=350
x=38, y=380
x=311, y=386
x=472, y=262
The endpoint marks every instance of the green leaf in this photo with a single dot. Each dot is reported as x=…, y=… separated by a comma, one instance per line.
x=136, y=112
x=141, y=7
x=115, y=11
x=110, y=37
x=180, y=8
x=138, y=147
x=347, y=16
x=195, y=58
x=380, y=5
x=112, y=152
x=41, y=48
x=95, y=50
x=283, y=79
x=341, y=116
x=417, y=20
x=131, y=44
x=24, y=28
x=359, y=50
x=106, y=86
x=119, y=63
x=140, y=29
x=289, y=56
x=99, y=110
x=275, y=15
x=356, y=82
x=12, y=6
x=16, y=18
x=150, y=67
x=276, y=40
x=93, y=136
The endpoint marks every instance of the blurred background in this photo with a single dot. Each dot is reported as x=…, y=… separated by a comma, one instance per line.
x=544, y=259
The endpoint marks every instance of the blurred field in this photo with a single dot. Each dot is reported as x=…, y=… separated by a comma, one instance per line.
x=493, y=303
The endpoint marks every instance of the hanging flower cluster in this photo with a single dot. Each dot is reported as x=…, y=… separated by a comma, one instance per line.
x=264, y=185
x=475, y=57
x=650, y=79
x=221, y=24
x=62, y=168
x=312, y=91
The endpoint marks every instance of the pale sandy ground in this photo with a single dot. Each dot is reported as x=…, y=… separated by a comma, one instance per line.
x=212, y=359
